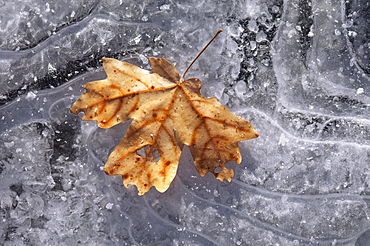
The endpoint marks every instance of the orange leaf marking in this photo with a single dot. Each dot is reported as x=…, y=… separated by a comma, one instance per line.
x=167, y=113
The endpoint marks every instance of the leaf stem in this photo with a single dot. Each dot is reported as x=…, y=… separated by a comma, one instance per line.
x=200, y=52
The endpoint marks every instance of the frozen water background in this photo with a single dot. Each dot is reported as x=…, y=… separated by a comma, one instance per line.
x=298, y=70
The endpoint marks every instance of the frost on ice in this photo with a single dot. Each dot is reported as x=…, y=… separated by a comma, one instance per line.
x=297, y=70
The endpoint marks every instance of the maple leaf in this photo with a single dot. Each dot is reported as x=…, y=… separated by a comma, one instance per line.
x=167, y=113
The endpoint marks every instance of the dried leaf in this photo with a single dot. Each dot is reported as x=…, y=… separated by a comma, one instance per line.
x=167, y=113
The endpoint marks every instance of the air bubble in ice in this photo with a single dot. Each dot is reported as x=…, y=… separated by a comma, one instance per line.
x=31, y=95
x=352, y=34
x=9, y=144
x=165, y=7
x=252, y=26
x=137, y=39
x=360, y=91
x=240, y=89
x=253, y=45
x=261, y=36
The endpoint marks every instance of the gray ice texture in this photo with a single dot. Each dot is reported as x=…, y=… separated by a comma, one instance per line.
x=297, y=70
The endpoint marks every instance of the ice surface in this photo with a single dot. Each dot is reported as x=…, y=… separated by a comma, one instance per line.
x=298, y=70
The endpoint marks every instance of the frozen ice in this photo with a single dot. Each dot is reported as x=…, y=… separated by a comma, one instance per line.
x=297, y=70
